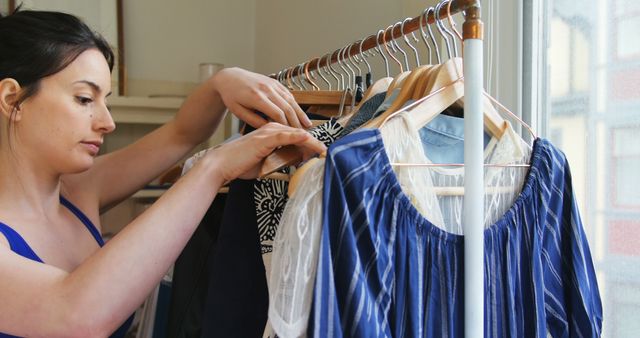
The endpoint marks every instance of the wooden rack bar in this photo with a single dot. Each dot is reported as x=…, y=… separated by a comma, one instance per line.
x=392, y=32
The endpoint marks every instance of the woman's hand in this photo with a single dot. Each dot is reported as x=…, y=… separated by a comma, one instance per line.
x=244, y=93
x=242, y=157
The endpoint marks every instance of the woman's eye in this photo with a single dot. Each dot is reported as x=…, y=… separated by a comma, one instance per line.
x=83, y=100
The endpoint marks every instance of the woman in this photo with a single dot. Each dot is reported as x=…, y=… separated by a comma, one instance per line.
x=54, y=82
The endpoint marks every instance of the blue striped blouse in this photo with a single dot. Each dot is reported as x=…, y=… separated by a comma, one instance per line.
x=385, y=271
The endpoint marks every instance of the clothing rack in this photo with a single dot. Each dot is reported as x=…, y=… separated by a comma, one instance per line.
x=473, y=213
x=394, y=32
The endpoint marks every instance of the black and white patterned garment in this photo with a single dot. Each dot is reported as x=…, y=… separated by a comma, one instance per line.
x=270, y=195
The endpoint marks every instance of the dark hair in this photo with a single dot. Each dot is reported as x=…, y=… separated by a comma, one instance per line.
x=37, y=44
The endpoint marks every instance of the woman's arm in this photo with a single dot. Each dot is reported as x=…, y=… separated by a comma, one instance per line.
x=93, y=300
x=117, y=175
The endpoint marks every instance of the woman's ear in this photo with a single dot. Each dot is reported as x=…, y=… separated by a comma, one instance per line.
x=9, y=92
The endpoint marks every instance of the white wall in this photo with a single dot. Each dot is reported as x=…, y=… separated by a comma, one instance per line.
x=291, y=31
x=167, y=39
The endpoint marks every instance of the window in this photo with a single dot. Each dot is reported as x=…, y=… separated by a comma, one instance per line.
x=591, y=110
x=625, y=161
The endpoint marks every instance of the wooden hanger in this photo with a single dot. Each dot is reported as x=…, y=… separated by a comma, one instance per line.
x=378, y=87
x=426, y=108
x=435, y=103
x=449, y=72
x=421, y=86
x=397, y=82
x=294, y=181
x=408, y=87
x=290, y=155
x=452, y=70
x=320, y=97
x=323, y=102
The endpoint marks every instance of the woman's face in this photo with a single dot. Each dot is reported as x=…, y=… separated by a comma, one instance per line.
x=64, y=124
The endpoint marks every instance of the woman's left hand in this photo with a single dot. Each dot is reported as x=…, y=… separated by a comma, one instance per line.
x=245, y=93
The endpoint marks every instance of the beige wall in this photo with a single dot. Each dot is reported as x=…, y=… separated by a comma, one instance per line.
x=291, y=31
x=166, y=40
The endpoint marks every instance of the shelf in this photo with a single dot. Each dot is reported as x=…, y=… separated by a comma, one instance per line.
x=144, y=110
x=147, y=102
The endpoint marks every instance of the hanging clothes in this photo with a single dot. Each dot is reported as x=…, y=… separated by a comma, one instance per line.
x=385, y=270
x=270, y=195
x=297, y=242
x=190, y=275
x=237, y=300
x=365, y=113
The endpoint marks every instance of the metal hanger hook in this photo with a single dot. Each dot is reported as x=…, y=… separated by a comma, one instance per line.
x=423, y=35
x=447, y=4
x=283, y=79
x=342, y=83
x=393, y=41
x=432, y=37
x=308, y=77
x=319, y=71
x=363, y=56
x=386, y=61
x=453, y=24
x=285, y=72
x=291, y=80
x=288, y=78
x=406, y=40
x=314, y=76
x=341, y=63
x=329, y=70
x=386, y=47
x=300, y=71
x=442, y=29
x=345, y=59
x=351, y=59
x=302, y=76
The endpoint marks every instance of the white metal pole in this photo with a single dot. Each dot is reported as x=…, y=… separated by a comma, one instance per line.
x=473, y=215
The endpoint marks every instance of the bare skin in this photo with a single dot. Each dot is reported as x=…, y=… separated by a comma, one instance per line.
x=82, y=290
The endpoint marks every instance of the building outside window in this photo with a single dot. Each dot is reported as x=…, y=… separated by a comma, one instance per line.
x=592, y=113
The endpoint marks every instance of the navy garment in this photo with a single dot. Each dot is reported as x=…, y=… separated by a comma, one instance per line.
x=365, y=113
x=386, y=271
x=20, y=246
x=237, y=299
x=190, y=275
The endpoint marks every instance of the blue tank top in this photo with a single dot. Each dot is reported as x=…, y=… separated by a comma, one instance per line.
x=20, y=246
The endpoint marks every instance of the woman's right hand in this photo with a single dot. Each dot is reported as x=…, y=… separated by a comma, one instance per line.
x=241, y=158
